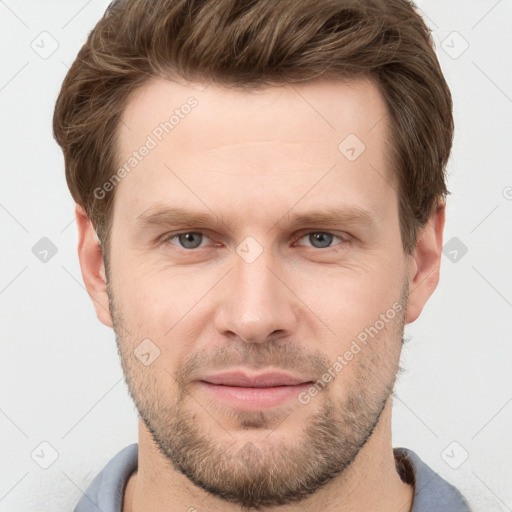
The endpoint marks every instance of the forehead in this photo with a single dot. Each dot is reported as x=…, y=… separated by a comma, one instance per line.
x=216, y=143
x=309, y=110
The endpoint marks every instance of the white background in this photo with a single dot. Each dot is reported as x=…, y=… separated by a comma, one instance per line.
x=61, y=380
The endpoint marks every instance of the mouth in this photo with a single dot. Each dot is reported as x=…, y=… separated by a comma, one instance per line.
x=253, y=392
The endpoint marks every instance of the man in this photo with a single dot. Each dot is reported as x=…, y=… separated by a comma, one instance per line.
x=260, y=204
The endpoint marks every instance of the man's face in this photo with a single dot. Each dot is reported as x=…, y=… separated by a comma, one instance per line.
x=251, y=290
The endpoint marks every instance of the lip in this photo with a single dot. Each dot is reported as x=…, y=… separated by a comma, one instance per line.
x=253, y=392
x=261, y=380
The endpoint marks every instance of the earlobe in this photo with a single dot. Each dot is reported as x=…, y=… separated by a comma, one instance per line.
x=424, y=264
x=90, y=255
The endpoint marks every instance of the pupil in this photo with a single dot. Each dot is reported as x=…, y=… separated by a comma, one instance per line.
x=322, y=238
x=187, y=240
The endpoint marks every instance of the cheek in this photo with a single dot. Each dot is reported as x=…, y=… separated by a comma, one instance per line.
x=367, y=361
x=161, y=305
x=141, y=296
x=348, y=300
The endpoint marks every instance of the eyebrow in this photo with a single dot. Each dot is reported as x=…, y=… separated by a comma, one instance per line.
x=160, y=216
x=332, y=216
x=171, y=215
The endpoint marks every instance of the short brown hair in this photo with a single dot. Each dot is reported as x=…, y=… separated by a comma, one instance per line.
x=250, y=44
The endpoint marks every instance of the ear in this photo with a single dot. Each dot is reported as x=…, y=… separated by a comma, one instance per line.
x=424, y=264
x=90, y=255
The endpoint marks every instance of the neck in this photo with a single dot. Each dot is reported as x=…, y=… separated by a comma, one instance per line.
x=370, y=483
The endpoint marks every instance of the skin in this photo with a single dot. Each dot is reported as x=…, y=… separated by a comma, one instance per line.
x=255, y=159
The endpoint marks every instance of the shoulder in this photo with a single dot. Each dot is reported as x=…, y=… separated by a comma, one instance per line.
x=431, y=491
x=106, y=491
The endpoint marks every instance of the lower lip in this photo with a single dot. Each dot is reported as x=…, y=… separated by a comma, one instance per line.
x=254, y=398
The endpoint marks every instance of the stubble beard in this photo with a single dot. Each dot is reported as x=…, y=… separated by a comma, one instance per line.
x=274, y=471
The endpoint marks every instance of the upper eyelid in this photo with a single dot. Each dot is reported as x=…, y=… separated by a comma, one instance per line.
x=304, y=232
x=341, y=237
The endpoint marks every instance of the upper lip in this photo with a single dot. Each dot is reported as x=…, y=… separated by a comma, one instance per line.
x=260, y=380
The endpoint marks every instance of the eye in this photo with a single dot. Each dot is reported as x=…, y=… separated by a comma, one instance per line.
x=193, y=239
x=187, y=239
x=322, y=239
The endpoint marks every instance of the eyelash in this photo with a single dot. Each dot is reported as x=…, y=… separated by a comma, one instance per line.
x=343, y=239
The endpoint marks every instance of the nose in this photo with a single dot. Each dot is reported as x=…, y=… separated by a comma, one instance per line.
x=257, y=306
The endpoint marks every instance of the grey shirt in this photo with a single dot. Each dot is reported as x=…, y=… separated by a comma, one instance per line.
x=431, y=492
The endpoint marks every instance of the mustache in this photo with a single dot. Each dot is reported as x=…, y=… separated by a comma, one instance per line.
x=280, y=356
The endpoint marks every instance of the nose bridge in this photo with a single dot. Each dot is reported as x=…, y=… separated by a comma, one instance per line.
x=257, y=304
